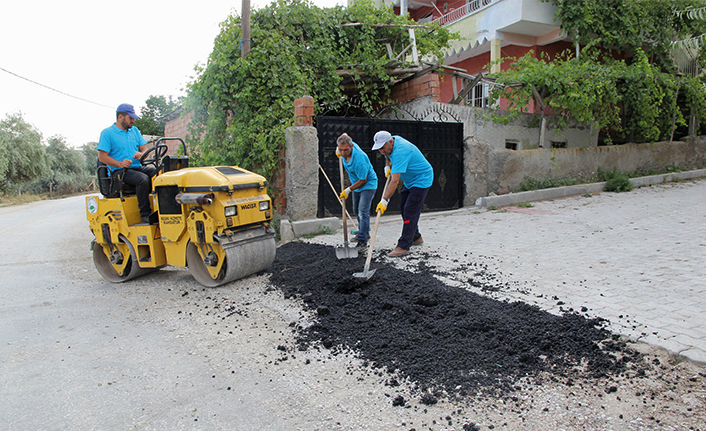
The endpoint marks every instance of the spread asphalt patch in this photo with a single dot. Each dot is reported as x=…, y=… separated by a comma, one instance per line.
x=447, y=341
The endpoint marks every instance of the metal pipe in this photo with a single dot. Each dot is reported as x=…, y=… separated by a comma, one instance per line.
x=194, y=198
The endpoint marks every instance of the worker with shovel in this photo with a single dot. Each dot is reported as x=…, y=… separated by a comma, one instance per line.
x=408, y=165
x=364, y=183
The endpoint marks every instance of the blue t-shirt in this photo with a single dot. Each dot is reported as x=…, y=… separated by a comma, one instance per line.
x=410, y=163
x=121, y=144
x=360, y=168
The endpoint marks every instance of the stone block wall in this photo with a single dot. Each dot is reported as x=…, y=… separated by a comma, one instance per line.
x=491, y=170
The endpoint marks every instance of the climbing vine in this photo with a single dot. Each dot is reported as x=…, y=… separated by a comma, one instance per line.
x=242, y=106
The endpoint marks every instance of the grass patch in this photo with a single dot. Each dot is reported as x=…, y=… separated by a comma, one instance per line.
x=10, y=200
x=323, y=230
x=525, y=205
x=546, y=183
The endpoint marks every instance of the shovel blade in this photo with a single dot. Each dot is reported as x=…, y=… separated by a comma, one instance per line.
x=365, y=274
x=346, y=252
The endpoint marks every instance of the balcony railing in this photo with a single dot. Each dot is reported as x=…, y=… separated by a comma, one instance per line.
x=471, y=7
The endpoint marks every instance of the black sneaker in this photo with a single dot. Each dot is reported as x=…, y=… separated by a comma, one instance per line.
x=362, y=246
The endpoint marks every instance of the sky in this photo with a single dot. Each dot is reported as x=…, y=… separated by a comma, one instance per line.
x=67, y=65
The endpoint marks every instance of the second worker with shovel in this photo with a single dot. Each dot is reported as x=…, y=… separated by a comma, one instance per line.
x=409, y=166
x=364, y=183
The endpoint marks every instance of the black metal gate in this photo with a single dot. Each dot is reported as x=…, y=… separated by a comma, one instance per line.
x=441, y=144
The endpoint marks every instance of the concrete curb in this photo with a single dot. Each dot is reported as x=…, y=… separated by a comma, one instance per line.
x=291, y=230
x=580, y=189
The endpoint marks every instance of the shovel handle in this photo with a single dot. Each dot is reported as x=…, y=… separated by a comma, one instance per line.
x=375, y=234
x=355, y=225
x=343, y=204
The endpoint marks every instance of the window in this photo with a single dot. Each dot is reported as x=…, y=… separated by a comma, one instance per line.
x=479, y=95
x=511, y=144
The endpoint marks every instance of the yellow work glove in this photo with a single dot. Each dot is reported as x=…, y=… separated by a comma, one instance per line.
x=387, y=171
x=344, y=194
x=382, y=206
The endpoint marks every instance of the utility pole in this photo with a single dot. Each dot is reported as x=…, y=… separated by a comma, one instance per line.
x=245, y=29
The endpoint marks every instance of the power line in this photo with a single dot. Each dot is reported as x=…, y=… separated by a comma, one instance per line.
x=53, y=89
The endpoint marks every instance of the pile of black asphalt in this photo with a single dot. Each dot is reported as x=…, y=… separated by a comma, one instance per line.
x=447, y=340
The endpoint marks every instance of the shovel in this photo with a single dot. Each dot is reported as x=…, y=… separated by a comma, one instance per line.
x=335, y=192
x=344, y=252
x=367, y=273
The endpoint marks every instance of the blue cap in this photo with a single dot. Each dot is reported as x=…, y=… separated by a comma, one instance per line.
x=128, y=109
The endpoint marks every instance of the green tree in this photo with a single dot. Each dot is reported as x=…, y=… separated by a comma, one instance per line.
x=640, y=97
x=629, y=25
x=584, y=89
x=66, y=169
x=243, y=105
x=151, y=122
x=90, y=157
x=23, y=156
x=634, y=101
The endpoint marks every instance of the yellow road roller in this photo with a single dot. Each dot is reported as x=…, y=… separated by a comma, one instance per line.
x=214, y=220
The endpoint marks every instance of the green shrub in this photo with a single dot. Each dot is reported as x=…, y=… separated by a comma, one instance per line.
x=619, y=183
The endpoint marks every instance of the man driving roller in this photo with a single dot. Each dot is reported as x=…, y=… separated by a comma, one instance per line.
x=121, y=147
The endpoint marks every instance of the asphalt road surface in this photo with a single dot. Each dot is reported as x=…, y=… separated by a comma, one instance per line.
x=160, y=352
x=81, y=353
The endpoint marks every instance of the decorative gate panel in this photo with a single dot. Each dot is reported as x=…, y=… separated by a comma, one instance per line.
x=441, y=144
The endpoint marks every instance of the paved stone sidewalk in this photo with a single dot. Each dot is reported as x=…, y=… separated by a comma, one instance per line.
x=636, y=259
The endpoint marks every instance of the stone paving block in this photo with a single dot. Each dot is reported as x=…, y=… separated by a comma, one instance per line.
x=697, y=355
x=691, y=342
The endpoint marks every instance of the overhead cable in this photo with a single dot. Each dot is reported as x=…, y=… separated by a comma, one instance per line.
x=53, y=89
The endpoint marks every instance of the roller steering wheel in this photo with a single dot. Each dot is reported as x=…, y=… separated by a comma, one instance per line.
x=160, y=150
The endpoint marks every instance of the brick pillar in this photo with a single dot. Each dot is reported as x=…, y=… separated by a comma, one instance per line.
x=303, y=116
x=426, y=85
x=304, y=111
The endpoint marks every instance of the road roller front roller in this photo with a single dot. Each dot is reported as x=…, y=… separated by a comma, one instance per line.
x=214, y=220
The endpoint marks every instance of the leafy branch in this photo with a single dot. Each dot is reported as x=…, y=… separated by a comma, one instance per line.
x=243, y=105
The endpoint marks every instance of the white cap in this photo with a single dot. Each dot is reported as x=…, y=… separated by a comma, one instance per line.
x=380, y=139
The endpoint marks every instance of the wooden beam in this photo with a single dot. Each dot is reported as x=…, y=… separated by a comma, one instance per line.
x=390, y=52
x=466, y=89
x=458, y=74
x=538, y=97
x=358, y=24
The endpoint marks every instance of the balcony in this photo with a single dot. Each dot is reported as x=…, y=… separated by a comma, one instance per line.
x=471, y=7
x=522, y=23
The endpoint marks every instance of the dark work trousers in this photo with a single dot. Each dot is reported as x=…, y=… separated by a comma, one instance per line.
x=411, y=204
x=141, y=179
